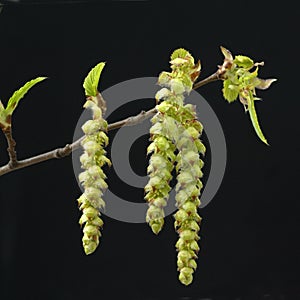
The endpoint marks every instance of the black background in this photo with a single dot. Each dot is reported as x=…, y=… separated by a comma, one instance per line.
x=250, y=231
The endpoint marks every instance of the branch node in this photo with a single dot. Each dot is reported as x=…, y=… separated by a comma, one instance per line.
x=13, y=164
x=62, y=152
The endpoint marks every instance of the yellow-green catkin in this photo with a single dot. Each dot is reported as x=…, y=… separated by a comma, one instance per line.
x=161, y=164
x=187, y=219
x=162, y=133
x=93, y=177
x=180, y=124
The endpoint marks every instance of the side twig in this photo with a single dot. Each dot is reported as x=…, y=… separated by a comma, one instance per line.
x=14, y=164
x=13, y=161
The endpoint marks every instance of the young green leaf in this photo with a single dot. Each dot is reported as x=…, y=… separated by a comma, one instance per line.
x=254, y=119
x=2, y=115
x=243, y=61
x=19, y=94
x=1, y=106
x=91, y=82
x=180, y=53
x=230, y=91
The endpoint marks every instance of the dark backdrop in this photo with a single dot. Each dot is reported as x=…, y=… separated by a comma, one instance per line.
x=249, y=245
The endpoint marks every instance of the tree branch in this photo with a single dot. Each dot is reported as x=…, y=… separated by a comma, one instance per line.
x=14, y=164
x=69, y=148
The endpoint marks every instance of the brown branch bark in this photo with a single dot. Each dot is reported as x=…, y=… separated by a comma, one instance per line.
x=14, y=164
x=211, y=78
x=11, y=147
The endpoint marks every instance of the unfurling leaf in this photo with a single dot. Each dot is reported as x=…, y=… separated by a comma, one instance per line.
x=227, y=54
x=264, y=84
x=180, y=53
x=3, y=122
x=254, y=119
x=19, y=94
x=243, y=61
x=91, y=82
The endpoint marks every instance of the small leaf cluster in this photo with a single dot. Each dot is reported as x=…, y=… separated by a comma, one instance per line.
x=241, y=81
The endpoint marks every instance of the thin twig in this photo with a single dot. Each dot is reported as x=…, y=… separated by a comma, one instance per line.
x=11, y=147
x=211, y=78
x=131, y=121
x=14, y=164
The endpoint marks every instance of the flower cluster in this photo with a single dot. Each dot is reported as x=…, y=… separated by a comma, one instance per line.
x=93, y=178
x=175, y=142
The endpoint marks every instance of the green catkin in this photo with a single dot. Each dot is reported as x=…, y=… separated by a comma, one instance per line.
x=188, y=168
x=187, y=219
x=178, y=122
x=93, y=177
x=159, y=170
x=163, y=128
